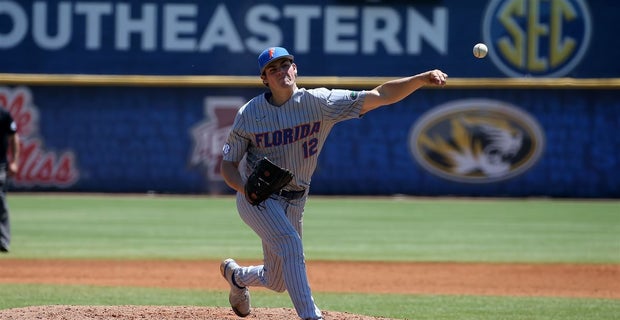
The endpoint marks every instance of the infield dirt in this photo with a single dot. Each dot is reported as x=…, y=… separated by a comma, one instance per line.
x=496, y=279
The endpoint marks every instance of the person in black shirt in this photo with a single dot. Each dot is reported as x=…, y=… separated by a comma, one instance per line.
x=9, y=164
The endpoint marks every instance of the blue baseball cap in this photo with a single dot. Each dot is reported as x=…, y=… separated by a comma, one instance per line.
x=271, y=54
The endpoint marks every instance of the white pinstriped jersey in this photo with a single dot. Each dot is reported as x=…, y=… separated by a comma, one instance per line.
x=291, y=135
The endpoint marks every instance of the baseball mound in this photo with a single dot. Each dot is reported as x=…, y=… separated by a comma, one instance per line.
x=157, y=312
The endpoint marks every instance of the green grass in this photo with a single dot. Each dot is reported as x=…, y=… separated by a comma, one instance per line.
x=394, y=306
x=465, y=230
x=161, y=227
x=335, y=228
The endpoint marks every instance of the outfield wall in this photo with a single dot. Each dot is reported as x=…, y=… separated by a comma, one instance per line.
x=475, y=137
x=137, y=96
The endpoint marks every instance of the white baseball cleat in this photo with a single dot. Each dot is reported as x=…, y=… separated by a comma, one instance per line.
x=239, y=297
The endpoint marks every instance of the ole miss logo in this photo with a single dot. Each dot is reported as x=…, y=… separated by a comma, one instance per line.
x=37, y=166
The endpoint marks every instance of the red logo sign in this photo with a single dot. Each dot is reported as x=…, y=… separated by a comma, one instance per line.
x=37, y=167
x=210, y=135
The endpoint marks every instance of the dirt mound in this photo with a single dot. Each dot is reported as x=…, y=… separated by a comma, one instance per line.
x=60, y=312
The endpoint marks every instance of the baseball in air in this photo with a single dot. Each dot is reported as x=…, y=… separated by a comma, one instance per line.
x=480, y=50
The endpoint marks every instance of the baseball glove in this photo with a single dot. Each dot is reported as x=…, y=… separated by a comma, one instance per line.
x=266, y=179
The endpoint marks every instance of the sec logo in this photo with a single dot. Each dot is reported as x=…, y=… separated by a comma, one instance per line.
x=476, y=141
x=537, y=38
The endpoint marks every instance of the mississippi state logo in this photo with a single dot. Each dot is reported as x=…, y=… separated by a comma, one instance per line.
x=476, y=141
x=537, y=38
x=210, y=134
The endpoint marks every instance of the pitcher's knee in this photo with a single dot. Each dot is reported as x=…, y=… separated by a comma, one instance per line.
x=275, y=282
x=280, y=288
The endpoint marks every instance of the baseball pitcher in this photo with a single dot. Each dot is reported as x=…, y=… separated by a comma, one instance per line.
x=279, y=135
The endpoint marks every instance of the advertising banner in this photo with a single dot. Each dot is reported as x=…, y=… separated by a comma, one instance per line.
x=557, y=143
x=562, y=38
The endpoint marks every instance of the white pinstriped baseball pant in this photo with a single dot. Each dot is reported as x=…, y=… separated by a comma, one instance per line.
x=279, y=224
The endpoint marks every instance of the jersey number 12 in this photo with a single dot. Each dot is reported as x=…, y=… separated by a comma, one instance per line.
x=310, y=147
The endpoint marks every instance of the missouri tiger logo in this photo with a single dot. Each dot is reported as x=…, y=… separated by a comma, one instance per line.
x=476, y=141
x=538, y=38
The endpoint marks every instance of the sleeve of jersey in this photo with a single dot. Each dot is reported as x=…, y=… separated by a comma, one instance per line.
x=237, y=143
x=343, y=104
